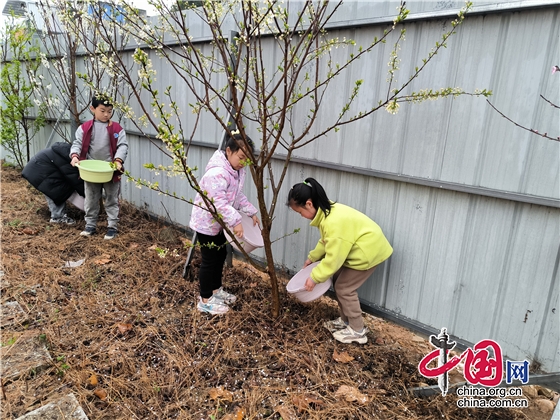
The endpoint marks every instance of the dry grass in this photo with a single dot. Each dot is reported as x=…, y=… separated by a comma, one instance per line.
x=127, y=340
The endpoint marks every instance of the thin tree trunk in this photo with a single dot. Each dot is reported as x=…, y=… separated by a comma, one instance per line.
x=275, y=308
x=266, y=222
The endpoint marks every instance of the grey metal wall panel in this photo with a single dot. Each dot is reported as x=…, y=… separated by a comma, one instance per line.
x=202, y=128
x=458, y=140
x=462, y=140
x=524, y=310
x=527, y=43
x=141, y=152
x=474, y=264
x=460, y=261
x=356, y=12
x=547, y=349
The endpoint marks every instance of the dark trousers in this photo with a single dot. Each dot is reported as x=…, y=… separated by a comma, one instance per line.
x=213, y=254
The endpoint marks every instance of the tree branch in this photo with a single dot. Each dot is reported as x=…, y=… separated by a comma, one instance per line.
x=545, y=135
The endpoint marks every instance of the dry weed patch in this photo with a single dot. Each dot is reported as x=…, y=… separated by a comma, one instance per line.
x=125, y=336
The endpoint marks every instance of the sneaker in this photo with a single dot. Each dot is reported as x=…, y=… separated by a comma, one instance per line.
x=111, y=233
x=335, y=324
x=224, y=296
x=213, y=306
x=88, y=231
x=348, y=335
x=64, y=219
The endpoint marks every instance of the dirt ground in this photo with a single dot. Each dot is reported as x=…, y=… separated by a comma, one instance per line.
x=126, y=338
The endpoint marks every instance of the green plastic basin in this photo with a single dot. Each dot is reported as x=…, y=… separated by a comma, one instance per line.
x=96, y=171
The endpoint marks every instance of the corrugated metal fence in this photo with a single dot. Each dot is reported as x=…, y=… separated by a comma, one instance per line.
x=469, y=201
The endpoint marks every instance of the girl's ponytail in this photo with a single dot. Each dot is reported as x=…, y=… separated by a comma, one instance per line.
x=310, y=189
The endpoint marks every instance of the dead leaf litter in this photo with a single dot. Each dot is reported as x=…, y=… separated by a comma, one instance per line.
x=126, y=338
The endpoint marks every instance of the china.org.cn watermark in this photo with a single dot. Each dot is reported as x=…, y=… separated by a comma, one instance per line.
x=483, y=370
x=480, y=397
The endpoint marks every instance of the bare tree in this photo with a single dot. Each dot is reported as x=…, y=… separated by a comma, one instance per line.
x=240, y=89
x=64, y=28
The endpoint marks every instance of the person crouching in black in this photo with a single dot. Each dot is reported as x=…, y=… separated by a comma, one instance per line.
x=50, y=172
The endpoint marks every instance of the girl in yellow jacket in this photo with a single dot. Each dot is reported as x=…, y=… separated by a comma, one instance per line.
x=350, y=249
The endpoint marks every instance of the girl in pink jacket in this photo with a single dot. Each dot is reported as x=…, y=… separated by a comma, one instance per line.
x=223, y=183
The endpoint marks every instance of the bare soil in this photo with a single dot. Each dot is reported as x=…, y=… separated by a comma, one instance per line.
x=127, y=340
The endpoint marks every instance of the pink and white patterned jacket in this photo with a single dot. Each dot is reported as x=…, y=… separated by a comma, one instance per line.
x=224, y=185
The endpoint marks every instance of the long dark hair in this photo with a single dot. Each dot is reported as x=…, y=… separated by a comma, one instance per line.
x=309, y=189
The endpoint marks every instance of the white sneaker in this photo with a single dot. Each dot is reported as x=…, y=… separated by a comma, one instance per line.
x=88, y=231
x=348, y=335
x=111, y=233
x=213, y=306
x=224, y=296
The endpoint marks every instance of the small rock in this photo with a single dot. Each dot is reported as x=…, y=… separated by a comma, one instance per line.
x=418, y=339
x=12, y=313
x=26, y=352
x=66, y=407
x=546, y=406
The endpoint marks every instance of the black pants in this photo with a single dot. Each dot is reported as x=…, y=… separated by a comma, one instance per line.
x=213, y=253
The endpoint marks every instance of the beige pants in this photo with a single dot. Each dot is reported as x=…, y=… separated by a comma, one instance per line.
x=346, y=282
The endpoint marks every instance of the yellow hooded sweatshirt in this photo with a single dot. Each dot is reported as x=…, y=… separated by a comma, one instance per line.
x=348, y=238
